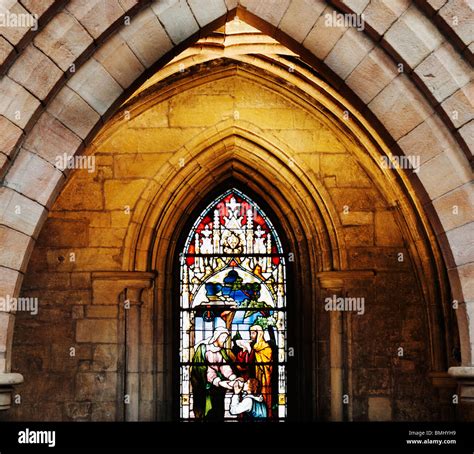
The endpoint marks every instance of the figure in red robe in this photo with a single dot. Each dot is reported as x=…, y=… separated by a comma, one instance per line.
x=245, y=360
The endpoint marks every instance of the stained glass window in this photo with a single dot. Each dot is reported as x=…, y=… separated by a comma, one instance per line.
x=233, y=315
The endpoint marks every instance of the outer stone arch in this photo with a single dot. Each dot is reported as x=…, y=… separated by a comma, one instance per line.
x=32, y=159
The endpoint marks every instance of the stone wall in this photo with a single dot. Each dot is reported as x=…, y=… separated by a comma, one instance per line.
x=408, y=69
x=72, y=353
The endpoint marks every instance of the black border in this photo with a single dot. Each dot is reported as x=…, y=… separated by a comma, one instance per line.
x=239, y=437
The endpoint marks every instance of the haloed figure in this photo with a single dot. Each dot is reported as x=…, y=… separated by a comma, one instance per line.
x=212, y=375
x=263, y=366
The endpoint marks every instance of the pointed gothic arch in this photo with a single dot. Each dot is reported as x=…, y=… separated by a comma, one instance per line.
x=20, y=187
x=295, y=218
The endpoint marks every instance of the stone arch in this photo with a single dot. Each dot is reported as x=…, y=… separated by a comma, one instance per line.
x=309, y=225
x=27, y=158
x=409, y=214
x=232, y=144
x=152, y=245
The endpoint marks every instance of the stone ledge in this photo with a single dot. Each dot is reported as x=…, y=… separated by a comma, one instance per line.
x=123, y=275
x=442, y=380
x=462, y=372
x=338, y=279
x=10, y=379
x=345, y=274
x=7, y=381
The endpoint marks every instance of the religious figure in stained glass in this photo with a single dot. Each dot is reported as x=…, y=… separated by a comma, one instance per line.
x=233, y=315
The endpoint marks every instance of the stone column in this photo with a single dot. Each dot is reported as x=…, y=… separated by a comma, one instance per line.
x=7, y=382
x=337, y=283
x=464, y=376
x=7, y=379
x=135, y=336
x=334, y=286
x=446, y=388
x=132, y=306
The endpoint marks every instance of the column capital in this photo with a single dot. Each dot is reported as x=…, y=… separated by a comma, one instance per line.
x=462, y=372
x=7, y=381
x=340, y=279
x=134, y=295
x=464, y=375
x=108, y=285
x=135, y=279
x=441, y=379
x=10, y=379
